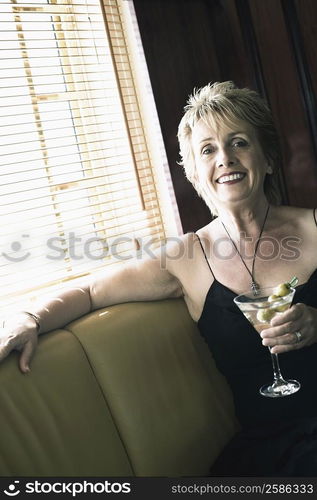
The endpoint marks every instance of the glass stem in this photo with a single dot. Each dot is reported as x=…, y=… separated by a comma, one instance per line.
x=276, y=368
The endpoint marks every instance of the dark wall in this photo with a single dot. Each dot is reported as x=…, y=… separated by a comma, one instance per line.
x=266, y=45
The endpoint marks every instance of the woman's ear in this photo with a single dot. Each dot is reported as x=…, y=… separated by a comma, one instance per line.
x=269, y=169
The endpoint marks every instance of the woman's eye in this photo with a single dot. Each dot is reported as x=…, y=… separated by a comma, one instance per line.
x=208, y=150
x=239, y=143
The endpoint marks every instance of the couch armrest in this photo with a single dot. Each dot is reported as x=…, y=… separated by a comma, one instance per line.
x=55, y=421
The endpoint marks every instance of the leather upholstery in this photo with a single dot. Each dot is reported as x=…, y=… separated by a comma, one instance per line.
x=127, y=390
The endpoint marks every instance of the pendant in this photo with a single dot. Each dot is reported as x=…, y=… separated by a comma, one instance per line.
x=255, y=288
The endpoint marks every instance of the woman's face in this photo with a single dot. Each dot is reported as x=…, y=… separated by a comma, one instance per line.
x=230, y=163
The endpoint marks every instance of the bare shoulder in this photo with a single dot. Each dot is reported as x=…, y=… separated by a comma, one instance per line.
x=186, y=262
x=303, y=218
x=180, y=252
x=291, y=212
x=175, y=252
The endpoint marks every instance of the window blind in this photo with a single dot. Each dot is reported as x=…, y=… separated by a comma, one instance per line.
x=77, y=189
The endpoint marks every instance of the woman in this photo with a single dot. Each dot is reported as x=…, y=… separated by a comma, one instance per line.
x=230, y=153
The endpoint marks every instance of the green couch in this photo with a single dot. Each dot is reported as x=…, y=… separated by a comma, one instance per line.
x=129, y=390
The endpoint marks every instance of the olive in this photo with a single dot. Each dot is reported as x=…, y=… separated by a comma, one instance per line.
x=265, y=315
x=272, y=298
x=281, y=308
x=277, y=298
x=281, y=290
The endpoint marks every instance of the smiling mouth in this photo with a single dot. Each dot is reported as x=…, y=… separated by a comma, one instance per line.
x=237, y=176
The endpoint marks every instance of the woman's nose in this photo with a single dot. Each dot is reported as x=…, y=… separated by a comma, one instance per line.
x=225, y=158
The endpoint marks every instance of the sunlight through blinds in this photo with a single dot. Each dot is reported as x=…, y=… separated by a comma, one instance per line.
x=77, y=189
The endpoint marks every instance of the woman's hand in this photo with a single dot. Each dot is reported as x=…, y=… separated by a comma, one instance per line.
x=19, y=333
x=281, y=336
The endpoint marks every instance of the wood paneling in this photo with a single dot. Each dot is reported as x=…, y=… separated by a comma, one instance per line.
x=302, y=25
x=307, y=19
x=286, y=100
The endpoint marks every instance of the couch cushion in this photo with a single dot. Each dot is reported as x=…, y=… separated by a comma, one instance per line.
x=55, y=421
x=173, y=409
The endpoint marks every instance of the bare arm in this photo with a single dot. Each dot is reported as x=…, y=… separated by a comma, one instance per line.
x=137, y=280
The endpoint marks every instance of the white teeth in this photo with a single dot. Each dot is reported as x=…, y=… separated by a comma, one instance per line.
x=231, y=177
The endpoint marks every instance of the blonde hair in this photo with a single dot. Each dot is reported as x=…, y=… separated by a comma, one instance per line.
x=225, y=103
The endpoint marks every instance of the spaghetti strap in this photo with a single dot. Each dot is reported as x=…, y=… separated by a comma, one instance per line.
x=315, y=216
x=201, y=245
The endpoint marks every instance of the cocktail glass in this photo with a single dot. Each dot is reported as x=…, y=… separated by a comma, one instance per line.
x=259, y=310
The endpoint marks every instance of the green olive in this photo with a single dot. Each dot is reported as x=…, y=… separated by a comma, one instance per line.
x=276, y=298
x=281, y=308
x=281, y=290
x=265, y=315
x=272, y=298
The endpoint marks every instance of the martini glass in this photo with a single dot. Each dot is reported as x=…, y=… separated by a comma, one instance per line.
x=259, y=310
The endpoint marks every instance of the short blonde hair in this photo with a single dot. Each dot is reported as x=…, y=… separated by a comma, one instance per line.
x=223, y=102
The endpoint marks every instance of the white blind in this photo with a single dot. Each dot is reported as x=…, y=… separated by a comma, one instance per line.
x=77, y=188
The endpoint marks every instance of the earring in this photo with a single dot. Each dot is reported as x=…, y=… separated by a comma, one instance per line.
x=269, y=170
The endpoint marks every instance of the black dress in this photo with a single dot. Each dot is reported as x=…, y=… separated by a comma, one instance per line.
x=278, y=436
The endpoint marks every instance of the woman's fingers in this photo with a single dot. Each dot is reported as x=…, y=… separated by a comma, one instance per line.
x=294, y=313
x=27, y=354
x=287, y=342
x=279, y=349
x=7, y=344
x=282, y=335
x=20, y=340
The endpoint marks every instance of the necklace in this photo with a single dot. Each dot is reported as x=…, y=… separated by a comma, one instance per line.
x=255, y=288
